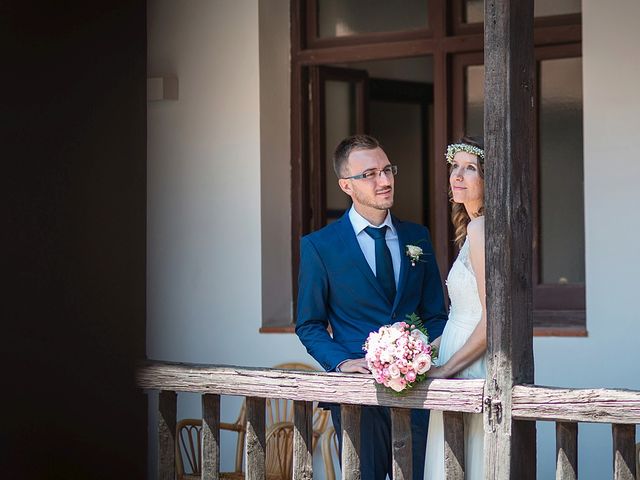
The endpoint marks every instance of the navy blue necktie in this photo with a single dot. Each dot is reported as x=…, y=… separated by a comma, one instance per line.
x=384, y=265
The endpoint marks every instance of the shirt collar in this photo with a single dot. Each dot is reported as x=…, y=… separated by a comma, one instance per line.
x=359, y=223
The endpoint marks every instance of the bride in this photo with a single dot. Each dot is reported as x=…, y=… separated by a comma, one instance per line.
x=463, y=343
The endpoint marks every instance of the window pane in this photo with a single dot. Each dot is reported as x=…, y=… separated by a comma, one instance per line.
x=561, y=205
x=340, y=123
x=561, y=171
x=339, y=18
x=399, y=126
x=474, y=9
x=474, y=100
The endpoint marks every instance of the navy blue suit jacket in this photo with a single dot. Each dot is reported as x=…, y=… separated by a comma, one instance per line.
x=337, y=287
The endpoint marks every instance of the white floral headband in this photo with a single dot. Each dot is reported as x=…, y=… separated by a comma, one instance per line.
x=462, y=147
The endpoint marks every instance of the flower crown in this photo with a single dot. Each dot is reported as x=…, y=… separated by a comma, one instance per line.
x=462, y=147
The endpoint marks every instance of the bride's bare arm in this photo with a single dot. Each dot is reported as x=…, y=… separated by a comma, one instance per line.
x=476, y=345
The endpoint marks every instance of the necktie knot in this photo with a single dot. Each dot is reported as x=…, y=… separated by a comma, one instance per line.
x=376, y=233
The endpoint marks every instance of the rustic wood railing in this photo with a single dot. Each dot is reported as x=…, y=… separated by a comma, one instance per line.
x=566, y=407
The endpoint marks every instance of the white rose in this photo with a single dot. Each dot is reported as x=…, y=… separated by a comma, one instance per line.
x=414, y=251
x=418, y=335
x=394, y=333
x=394, y=371
x=386, y=357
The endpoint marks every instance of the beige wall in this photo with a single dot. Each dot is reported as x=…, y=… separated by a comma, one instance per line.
x=206, y=205
x=218, y=208
x=610, y=356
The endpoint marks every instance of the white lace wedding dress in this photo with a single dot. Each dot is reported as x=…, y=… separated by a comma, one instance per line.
x=465, y=313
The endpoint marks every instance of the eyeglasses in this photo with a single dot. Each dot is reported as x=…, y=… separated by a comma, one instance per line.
x=389, y=171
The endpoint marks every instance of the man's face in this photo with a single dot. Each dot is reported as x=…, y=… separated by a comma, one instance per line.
x=369, y=193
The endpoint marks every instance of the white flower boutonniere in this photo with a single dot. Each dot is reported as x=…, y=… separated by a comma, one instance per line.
x=414, y=253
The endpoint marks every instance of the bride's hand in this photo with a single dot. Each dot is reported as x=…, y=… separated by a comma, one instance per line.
x=437, y=372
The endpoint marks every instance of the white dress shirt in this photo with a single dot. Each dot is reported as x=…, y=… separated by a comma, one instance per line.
x=367, y=244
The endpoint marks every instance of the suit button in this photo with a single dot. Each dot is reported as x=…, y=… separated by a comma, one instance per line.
x=393, y=315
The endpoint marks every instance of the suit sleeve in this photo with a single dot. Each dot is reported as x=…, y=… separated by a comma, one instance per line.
x=312, y=315
x=432, y=309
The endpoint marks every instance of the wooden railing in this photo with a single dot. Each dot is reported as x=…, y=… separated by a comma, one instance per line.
x=566, y=407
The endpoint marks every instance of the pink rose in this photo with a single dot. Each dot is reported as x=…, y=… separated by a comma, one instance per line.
x=422, y=363
x=397, y=384
x=410, y=376
x=394, y=371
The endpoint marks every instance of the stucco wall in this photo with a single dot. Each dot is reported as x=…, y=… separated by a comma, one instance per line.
x=217, y=201
x=204, y=195
x=610, y=356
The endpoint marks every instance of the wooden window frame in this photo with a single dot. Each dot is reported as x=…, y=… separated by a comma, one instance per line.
x=445, y=37
x=559, y=310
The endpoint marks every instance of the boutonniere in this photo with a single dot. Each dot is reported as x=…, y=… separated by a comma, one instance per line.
x=415, y=254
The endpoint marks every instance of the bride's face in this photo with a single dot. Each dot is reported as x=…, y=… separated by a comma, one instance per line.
x=467, y=186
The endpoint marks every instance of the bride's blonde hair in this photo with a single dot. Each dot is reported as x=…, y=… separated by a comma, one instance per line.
x=459, y=216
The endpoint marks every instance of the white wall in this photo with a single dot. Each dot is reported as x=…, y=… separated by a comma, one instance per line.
x=609, y=356
x=204, y=195
x=208, y=188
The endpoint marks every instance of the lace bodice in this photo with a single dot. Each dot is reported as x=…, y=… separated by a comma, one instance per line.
x=465, y=309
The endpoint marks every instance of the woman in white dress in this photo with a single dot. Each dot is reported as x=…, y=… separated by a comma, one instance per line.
x=463, y=344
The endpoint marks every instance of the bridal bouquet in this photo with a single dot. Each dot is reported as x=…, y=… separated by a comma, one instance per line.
x=399, y=355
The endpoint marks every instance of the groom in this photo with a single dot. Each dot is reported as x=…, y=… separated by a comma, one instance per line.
x=355, y=276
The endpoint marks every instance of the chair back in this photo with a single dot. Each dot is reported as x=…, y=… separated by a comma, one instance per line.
x=188, y=448
x=279, y=451
x=279, y=410
x=330, y=450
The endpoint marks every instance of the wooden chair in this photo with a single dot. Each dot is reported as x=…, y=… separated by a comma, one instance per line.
x=189, y=447
x=279, y=410
x=279, y=451
x=329, y=451
x=278, y=456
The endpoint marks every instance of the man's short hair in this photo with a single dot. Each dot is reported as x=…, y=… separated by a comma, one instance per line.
x=348, y=145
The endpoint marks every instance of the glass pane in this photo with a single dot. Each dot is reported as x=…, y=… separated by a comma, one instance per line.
x=399, y=126
x=400, y=115
x=548, y=8
x=474, y=100
x=340, y=111
x=340, y=18
x=474, y=9
x=561, y=171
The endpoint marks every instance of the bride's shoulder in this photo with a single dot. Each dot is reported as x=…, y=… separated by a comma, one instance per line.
x=475, y=228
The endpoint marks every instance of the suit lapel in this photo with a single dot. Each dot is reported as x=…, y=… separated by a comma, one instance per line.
x=355, y=255
x=404, y=260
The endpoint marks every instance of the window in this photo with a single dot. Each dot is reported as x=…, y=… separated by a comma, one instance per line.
x=353, y=64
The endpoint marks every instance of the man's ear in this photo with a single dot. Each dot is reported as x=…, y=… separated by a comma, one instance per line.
x=345, y=186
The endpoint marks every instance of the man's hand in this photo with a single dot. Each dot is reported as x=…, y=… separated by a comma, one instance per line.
x=357, y=365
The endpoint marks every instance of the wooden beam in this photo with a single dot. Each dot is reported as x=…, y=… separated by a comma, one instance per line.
x=566, y=451
x=255, y=439
x=453, y=423
x=167, y=408
x=401, y=444
x=210, y=437
x=595, y=405
x=302, y=440
x=350, y=420
x=508, y=126
x=624, y=449
x=356, y=389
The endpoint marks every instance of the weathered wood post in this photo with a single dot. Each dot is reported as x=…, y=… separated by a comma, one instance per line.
x=510, y=449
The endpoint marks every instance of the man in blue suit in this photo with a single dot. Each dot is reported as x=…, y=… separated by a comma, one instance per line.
x=355, y=276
